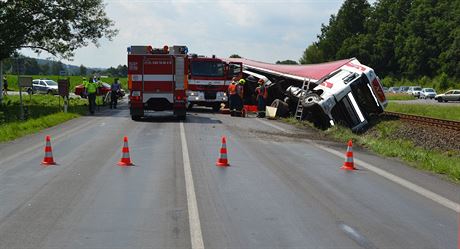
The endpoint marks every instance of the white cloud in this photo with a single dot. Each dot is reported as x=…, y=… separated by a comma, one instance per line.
x=265, y=30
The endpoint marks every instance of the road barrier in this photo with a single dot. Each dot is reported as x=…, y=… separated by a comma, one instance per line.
x=48, y=160
x=349, y=164
x=222, y=161
x=125, y=159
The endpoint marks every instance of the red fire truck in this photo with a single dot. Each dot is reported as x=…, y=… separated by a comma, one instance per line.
x=157, y=80
x=208, y=80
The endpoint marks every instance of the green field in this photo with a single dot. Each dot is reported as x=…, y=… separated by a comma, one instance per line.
x=41, y=111
x=74, y=80
x=449, y=112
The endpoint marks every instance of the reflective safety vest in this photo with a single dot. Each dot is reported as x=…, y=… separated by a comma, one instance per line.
x=91, y=87
x=232, y=89
x=262, y=91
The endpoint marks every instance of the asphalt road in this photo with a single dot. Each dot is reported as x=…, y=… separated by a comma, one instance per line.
x=284, y=189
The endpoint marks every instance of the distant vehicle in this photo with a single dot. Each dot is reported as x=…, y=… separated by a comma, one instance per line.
x=452, y=95
x=427, y=93
x=403, y=89
x=101, y=91
x=385, y=89
x=43, y=86
x=414, y=91
x=393, y=89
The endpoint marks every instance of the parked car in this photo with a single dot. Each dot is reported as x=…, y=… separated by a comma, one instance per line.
x=393, y=89
x=385, y=89
x=452, y=95
x=403, y=89
x=414, y=91
x=426, y=93
x=101, y=91
x=43, y=86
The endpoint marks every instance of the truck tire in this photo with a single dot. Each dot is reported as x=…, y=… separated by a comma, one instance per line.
x=310, y=100
x=282, y=108
x=136, y=118
x=216, y=107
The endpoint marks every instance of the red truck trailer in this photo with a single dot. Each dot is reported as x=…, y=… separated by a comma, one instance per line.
x=157, y=80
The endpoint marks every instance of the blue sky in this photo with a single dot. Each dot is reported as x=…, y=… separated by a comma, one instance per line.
x=264, y=30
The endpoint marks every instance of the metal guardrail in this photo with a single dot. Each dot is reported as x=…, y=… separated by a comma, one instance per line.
x=442, y=123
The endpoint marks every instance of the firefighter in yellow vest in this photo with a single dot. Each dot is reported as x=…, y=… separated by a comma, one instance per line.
x=91, y=90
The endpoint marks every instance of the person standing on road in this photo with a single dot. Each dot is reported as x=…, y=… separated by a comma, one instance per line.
x=5, y=86
x=91, y=89
x=240, y=93
x=233, y=96
x=261, y=92
x=116, y=88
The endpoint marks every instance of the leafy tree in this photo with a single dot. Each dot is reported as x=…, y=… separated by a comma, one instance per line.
x=45, y=69
x=56, y=26
x=82, y=70
x=31, y=66
x=56, y=67
x=287, y=62
x=312, y=55
x=235, y=56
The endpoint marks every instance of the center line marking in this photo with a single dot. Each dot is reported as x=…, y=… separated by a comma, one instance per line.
x=196, y=236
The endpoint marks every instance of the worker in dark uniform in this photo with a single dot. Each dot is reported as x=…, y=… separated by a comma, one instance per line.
x=261, y=92
x=115, y=93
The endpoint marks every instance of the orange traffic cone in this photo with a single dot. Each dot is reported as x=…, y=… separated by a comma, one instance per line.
x=48, y=160
x=222, y=161
x=125, y=159
x=349, y=164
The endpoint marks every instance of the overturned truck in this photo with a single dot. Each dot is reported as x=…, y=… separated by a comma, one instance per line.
x=340, y=92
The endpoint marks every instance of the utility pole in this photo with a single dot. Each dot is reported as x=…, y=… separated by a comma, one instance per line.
x=21, y=117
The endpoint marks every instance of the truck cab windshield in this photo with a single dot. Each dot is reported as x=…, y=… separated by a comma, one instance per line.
x=207, y=69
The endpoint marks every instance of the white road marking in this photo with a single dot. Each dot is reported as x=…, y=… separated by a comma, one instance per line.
x=193, y=215
x=396, y=179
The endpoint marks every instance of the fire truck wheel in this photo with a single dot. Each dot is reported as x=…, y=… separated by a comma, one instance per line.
x=136, y=118
x=216, y=108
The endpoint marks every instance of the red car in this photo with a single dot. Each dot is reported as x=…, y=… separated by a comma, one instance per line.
x=101, y=91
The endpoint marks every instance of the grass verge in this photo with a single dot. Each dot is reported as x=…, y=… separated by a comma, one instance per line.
x=450, y=112
x=399, y=96
x=41, y=111
x=379, y=140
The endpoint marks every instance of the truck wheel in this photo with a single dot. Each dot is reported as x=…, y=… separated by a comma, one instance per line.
x=310, y=100
x=216, y=108
x=282, y=108
x=136, y=118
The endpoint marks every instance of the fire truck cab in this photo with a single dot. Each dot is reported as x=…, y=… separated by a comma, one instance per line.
x=157, y=80
x=208, y=80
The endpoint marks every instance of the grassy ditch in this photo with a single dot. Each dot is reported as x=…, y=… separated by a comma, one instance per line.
x=399, y=96
x=41, y=111
x=449, y=112
x=381, y=140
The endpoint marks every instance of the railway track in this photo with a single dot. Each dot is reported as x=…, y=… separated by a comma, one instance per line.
x=442, y=123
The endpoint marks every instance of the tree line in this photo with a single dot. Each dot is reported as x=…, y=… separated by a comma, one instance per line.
x=31, y=66
x=400, y=39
